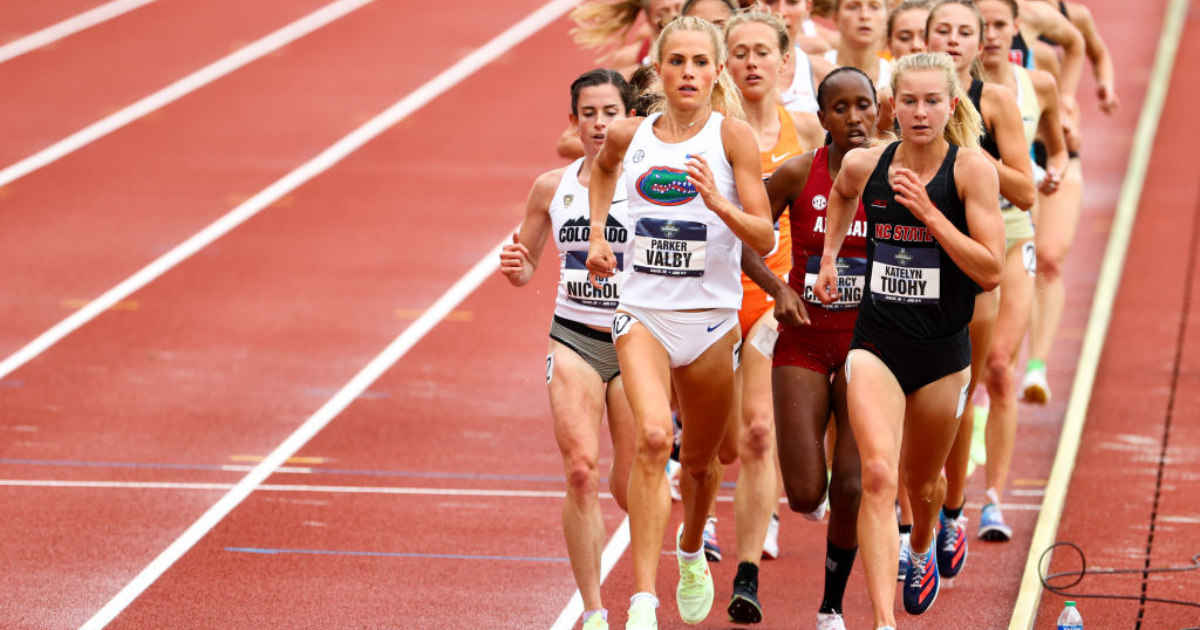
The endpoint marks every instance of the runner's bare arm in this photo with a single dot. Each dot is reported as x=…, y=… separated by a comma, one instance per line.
x=601, y=186
x=519, y=259
x=751, y=223
x=1014, y=166
x=839, y=216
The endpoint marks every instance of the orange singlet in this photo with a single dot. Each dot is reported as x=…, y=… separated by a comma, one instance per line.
x=755, y=301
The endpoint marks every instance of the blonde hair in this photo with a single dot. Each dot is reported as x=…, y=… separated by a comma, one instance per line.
x=725, y=98
x=770, y=19
x=966, y=126
x=599, y=23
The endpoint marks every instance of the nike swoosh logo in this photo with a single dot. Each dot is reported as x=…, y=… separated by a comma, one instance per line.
x=776, y=159
x=717, y=325
x=621, y=200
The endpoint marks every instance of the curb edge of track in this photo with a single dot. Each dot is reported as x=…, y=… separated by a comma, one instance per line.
x=1029, y=596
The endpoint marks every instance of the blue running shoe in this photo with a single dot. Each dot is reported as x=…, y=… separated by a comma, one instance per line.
x=951, y=545
x=905, y=549
x=992, y=527
x=922, y=583
x=712, y=548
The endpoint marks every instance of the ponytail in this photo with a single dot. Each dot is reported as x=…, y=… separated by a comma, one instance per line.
x=600, y=23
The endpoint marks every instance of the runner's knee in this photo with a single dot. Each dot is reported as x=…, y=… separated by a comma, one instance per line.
x=757, y=440
x=583, y=475
x=1001, y=377
x=654, y=446
x=878, y=477
x=1049, y=260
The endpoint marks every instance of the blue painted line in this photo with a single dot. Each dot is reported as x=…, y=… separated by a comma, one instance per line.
x=85, y=464
x=12, y=383
x=390, y=554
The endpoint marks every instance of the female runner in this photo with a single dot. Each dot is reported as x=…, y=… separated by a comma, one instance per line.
x=797, y=85
x=906, y=28
x=690, y=171
x=935, y=234
x=582, y=374
x=796, y=16
x=862, y=26
x=717, y=12
x=1037, y=93
x=957, y=28
x=757, y=43
x=812, y=339
x=600, y=24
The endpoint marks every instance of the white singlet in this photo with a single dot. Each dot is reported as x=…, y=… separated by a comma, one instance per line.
x=809, y=28
x=570, y=213
x=682, y=255
x=885, y=68
x=801, y=95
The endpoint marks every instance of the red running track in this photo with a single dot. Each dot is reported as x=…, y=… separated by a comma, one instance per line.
x=1132, y=501
x=226, y=355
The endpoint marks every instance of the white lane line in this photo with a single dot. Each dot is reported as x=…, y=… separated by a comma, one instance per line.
x=68, y=27
x=390, y=355
x=184, y=485
x=181, y=88
x=293, y=180
x=608, y=559
x=1029, y=596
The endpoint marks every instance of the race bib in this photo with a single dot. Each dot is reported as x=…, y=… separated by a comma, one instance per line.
x=906, y=276
x=581, y=291
x=666, y=247
x=852, y=279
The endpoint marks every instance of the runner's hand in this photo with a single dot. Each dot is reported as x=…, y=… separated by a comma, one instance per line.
x=827, y=281
x=513, y=258
x=1050, y=183
x=601, y=262
x=701, y=177
x=911, y=194
x=1107, y=97
x=789, y=309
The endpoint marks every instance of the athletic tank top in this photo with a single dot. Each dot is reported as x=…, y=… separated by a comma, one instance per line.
x=808, y=220
x=570, y=214
x=1020, y=53
x=801, y=95
x=779, y=261
x=913, y=286
x=682, y=256
x=1027, y=101
x=986, y=141
x=885, y=68
x=809, y=28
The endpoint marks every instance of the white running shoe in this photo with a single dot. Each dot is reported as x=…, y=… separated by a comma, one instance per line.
x=1035, y=387
x=771, y=543
x=642, y=616
x=673, y=469
x=830, y=621
x=819, y=513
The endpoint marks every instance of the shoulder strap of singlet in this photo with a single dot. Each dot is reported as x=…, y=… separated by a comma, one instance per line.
x=885, y=160
x=975, y=93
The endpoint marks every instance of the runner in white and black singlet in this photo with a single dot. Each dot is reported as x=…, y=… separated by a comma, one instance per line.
x=935, y=234
x=582, y=373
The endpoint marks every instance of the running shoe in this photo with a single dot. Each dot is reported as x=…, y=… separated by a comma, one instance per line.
x=818, y=514
x=694, y=595
x=673, y=469
x=712, y=549
x=922, y=583
x=595, y=622
x=951, y=545
x=830, y=621
x=905, y=549
x=642, y=616
x=992, y=527
x=771, y=543
x=743, y=606
x=1035, y=387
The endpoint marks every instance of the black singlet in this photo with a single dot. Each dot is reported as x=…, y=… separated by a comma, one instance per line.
x=986, y=141
x=907, y=255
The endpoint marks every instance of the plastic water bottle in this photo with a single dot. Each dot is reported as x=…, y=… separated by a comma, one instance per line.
x=1069, y=619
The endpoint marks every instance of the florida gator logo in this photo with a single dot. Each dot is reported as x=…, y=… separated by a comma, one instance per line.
x=665, y=186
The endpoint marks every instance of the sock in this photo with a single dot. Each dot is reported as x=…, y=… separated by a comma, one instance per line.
x=838, y=563
x=993, y=496
x=747, y=572
x=592, y=613
x=906, y=529
x=642, y=597
x=692, y=556
x=955, y=513
x=1035, y=364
